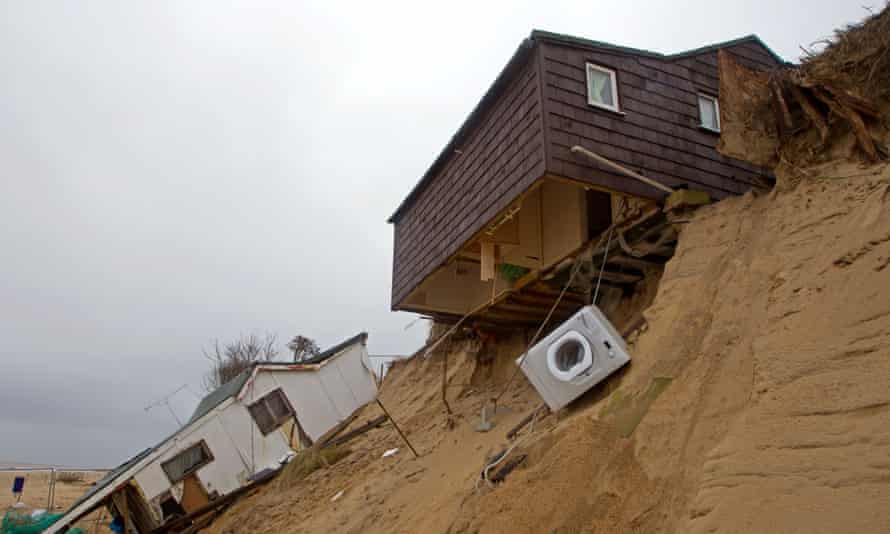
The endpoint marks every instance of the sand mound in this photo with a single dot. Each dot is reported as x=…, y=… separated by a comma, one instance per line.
x=758, y=400
x=773, y=326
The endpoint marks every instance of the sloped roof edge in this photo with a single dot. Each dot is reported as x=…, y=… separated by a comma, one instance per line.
x=589, y=43
x=234, y=386
x=518, y=59
x=522, y=53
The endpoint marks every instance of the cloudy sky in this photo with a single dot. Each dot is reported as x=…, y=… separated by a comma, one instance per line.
x=176, y=172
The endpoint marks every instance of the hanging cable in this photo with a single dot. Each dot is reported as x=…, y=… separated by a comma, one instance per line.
x=603, y=266
x=575, y=269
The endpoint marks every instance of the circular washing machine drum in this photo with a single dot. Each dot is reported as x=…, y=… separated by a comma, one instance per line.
x=569, y=356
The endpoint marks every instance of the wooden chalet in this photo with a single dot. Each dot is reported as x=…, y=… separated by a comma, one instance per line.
x=507, y=201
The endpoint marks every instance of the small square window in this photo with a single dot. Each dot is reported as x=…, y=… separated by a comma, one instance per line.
x=271, y=411
x=602, y=87
x=709, y=112
x=187, y=462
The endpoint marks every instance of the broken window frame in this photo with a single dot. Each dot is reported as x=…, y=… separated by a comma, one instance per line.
x=713, y=100
x=264, y=407
x=613, y=81
x=207, y=458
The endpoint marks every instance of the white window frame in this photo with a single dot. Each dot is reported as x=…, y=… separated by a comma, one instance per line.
x=716, y=102
x=613, y=78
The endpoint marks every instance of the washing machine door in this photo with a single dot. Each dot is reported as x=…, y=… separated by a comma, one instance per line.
x=569, y=356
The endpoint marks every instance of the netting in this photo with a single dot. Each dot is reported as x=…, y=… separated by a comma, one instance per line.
x=22, y=521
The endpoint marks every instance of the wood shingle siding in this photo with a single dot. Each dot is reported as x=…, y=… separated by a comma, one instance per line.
x=537, y=109
x=658, y=133
x=501, y=158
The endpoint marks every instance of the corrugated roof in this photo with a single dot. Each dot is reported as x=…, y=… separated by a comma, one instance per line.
x=218, y=395
x=522, y=53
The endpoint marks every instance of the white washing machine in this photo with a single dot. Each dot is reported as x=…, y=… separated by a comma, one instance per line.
x=573, y=358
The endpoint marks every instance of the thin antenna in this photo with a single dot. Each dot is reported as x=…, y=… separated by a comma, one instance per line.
x=415, y=321
x=165, y=401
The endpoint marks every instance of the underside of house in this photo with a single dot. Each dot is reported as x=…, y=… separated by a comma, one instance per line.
x=494, y=225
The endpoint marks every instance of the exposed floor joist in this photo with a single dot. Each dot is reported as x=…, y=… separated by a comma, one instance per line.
x=645, y=244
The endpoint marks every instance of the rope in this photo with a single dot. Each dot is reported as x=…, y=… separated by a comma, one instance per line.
x=603, y=266
x=575, y=269
x=527, y=432
x=534, y=340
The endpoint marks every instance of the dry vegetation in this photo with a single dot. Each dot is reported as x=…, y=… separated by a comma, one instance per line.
x=834, y=105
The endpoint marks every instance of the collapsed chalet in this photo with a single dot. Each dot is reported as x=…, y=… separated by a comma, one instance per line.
x=507, y=201
x=242, y=431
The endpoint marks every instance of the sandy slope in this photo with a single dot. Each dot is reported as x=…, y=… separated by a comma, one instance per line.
x=773, y=321
x=758, y=400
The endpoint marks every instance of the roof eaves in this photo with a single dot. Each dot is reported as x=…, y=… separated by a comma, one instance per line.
x=752, y=38
x=518, y=58
x=589, y=43
x=521, y=54
x=312, y=364
x=543, y=35
x=339, y=347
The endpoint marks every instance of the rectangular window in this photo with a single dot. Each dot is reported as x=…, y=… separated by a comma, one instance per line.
x=271, y=411
x=187, y=462
x=709, y=112
x=602, y=87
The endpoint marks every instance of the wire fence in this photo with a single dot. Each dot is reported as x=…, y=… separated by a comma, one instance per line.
x=48, y=488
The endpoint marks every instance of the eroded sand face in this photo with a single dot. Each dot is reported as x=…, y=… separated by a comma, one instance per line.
x=772, y=323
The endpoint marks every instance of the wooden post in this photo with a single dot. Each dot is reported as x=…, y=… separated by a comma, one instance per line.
x=399, y=430
x=450, y=414
x=119, y=498
x=487, y=260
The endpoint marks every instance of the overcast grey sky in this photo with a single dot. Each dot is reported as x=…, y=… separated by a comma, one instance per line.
x=175, y=172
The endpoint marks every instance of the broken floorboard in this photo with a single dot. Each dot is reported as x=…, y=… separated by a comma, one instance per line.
x=186, y=521
x=636, y=247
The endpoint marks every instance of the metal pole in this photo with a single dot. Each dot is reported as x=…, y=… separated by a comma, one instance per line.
x=577, y=149
x=51, y=489
x=178, y=422
x=399, y=430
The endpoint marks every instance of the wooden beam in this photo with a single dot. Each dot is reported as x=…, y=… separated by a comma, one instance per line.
x=639, y=264
x=184, y=521
x=511, y=305
x=541, y=288
x=620, y=278
x=396, y=426
x=551, y=296
x=334, y=432
x=529, y=299
x=349, y=436
x=508, y=317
